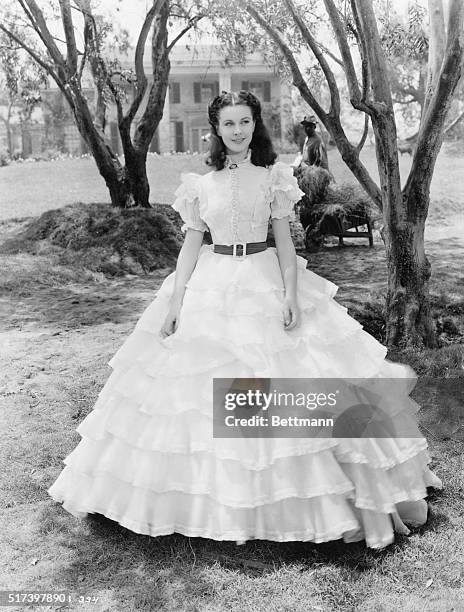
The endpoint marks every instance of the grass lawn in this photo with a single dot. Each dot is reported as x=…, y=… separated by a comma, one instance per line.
x=31, y=188
x=60, y=327
x=57, y=183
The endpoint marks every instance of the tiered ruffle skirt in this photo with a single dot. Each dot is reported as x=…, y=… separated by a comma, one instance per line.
x=148, y=458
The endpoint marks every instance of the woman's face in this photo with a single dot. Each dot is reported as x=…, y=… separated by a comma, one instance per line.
x=236, y=127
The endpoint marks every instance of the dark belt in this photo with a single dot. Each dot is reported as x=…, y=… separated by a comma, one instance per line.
x=240, y=249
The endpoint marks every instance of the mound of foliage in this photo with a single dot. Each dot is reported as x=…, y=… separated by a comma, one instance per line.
x=325, y=200
x=103, y=238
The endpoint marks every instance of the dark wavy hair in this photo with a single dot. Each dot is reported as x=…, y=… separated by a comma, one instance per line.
x=262, y=151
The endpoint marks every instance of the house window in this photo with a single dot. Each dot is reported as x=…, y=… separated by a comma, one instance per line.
x=205, y=91
x=174, y=93
x=177, y=136
x=198, y=144
x=261, y=89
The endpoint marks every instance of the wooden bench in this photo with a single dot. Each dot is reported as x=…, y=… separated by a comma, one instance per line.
x=341, y=226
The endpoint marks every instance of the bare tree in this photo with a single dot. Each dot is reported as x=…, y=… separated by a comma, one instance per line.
x=128, y=183
x=289, y=27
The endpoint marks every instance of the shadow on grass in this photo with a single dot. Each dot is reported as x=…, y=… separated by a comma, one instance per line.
x=175, y=572
x=69, y=307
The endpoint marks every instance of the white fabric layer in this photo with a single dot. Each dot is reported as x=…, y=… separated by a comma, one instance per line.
x=148, y=459
x=247, y=195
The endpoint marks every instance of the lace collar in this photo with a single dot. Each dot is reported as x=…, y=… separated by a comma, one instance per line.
x=228, y=162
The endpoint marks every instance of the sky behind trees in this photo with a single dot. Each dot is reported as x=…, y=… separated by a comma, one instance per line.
x=132, y=12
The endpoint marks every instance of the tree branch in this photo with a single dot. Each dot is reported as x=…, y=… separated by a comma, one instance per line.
x=436, y=48
x=311, y=42
x=141, y=84
x=157, y=94
x=80, y=69
x=360, y=144
x=39, y=24
x=330, y=121
x=298, y=79
x=192, y=22
x=375, y=57
x=382, y=115
x=98, y=67
x=332, y=56
x=47, y=67
x=430, y=135
x=348, y=65
x=362, y=47
x=68, y=27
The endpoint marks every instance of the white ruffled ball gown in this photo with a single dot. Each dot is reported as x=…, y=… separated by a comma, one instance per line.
x=148, y=459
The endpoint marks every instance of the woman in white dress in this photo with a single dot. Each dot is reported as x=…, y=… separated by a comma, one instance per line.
x=148, y=458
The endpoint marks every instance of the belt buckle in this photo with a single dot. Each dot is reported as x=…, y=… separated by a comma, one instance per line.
x=234, y=250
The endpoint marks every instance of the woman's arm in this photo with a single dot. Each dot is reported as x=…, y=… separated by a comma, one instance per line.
x=186, y=262
x=288, y=268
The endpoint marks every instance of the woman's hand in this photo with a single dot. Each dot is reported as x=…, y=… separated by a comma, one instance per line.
x=171, y=322
x=291, y=313
x=186, y=262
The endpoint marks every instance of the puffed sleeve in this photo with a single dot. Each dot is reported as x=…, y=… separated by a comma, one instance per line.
x=284, y=191
x=187, y=202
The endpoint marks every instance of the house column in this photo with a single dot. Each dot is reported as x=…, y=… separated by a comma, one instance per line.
x=286, y=111
x=225, y=80
x=164, y=127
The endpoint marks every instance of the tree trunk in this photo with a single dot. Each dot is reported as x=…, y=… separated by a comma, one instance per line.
x=408, y=303
x=120, y=194
x=409, y=321
x=408, y=314
x=9, y=135
x=112, y=171
x=9, y=138
x=128, y=185
x=436, y=49
x=136, y=173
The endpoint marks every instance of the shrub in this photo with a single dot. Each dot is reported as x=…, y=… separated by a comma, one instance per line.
x=314, y=181
x=4, y=159
x=47, y=155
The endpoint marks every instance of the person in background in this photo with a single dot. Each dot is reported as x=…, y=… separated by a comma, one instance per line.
x=314, y=152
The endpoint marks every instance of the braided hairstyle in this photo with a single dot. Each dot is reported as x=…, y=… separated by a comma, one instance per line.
x=262, y=151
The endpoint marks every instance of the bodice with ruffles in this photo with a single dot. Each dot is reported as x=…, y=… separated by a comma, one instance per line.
x=235, y=203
